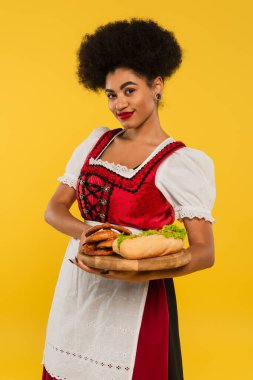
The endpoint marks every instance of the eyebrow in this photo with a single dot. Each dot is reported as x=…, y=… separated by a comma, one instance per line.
x=122, y=86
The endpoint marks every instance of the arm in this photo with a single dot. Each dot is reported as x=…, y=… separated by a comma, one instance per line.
x=201, y=247
x=57, y=212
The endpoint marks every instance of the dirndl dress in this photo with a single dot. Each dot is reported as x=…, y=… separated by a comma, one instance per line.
x=107, y=329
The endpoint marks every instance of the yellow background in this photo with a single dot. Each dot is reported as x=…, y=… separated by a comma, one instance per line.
x=45, y=114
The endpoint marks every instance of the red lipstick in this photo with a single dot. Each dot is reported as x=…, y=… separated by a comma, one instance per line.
x=125, y=115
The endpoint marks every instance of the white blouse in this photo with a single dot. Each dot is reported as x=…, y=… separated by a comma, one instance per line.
x=186, y=178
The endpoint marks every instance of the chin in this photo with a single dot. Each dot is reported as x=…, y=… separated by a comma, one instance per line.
x=126, y=125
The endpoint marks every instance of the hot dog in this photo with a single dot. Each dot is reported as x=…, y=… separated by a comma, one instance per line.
x=150, y=243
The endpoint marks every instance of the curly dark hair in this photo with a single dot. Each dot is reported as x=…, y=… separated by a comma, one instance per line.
x=141, y=45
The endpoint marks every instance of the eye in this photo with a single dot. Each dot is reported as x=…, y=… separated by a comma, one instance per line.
x=110, y=95
x=130, y=90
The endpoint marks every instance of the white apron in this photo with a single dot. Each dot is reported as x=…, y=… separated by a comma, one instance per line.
x=93, y=325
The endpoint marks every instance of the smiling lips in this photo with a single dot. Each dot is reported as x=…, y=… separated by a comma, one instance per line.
x=125, y=115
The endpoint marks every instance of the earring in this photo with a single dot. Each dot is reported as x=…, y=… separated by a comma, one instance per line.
x=158, y=97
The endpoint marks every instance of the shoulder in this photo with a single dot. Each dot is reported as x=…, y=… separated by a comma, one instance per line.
x=82, y=150
x=89, y=141
x=187, y=160
x=191, y=154
x=186, y=179
x=99, y=131
x=94, y=135
x=79, y=155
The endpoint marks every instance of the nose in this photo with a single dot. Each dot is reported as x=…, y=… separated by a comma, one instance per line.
x=120, y=104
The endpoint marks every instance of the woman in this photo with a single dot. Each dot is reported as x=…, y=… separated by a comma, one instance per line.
x=113, y=324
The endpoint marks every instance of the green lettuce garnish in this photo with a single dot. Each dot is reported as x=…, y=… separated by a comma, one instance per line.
x=172, y=230
x=169, y=230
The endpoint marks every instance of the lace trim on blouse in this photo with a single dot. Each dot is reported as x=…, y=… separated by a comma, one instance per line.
x=124, y=170
x=188, y=212
x=68, y=179
x=117, y=168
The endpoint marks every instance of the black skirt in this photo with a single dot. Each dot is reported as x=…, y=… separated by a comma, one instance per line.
x=175, y=356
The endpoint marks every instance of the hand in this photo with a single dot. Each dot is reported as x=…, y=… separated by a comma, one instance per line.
x=130, y=276
x=82, y=241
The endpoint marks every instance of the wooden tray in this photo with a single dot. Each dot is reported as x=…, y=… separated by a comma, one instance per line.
x=116, y=262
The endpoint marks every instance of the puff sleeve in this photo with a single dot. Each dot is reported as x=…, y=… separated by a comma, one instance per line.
x=187, y=181
x=78, y=157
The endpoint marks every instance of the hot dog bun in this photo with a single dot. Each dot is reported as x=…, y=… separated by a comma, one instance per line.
x=144, y=247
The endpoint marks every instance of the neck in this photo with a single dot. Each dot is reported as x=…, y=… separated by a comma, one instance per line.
x=149, y=132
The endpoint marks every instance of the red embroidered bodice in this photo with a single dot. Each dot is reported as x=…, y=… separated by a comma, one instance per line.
x=104, y=195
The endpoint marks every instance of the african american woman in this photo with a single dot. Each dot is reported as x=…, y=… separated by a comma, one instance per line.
x=115, y=324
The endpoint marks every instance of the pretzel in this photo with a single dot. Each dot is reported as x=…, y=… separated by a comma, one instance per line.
x=88, y=249
x=105, y=244
x=91, y=250
x=107, y=226
x=104, y=226
x=103, y=252
x=102, y=235
x=125, y=230
x=100, y=238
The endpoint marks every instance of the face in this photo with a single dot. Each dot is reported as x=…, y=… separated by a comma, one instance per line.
x=130, y=98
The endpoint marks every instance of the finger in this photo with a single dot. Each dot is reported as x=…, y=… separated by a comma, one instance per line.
x=132, y=276
x=121, y=275
x=81, y=265
x=104, y=271
x=81, y=246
